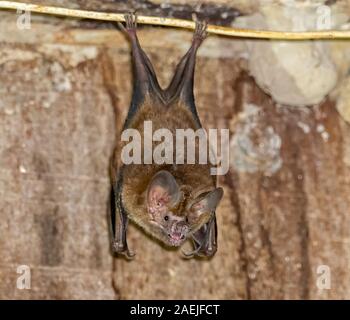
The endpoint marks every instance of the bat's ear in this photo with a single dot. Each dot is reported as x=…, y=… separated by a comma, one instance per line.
x=205, y=205
x=162, y=192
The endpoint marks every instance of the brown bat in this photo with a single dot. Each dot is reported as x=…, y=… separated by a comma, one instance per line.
x=171, y=202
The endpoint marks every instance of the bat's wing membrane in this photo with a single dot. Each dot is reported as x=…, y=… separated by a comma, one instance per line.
x=204, y=240
x=118, y=224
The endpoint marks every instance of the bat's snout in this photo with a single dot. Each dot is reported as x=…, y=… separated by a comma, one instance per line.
x=178, y=233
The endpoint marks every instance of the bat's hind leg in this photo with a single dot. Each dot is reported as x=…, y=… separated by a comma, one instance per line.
x=145, y=79
x=181, y=86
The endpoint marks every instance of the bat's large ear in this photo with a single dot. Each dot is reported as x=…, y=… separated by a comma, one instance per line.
x=205, y=205
x=163, y=192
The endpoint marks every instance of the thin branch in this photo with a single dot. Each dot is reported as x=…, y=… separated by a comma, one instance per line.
x=178, y=23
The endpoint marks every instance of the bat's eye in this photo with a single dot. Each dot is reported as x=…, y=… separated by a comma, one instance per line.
x=186, y=220
x=166, y=218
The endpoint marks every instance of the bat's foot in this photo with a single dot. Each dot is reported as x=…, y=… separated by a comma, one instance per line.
x=122, y=248
x=130, y=23
x=200, y=32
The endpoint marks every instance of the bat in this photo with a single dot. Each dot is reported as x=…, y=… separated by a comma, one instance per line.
x=171, y=202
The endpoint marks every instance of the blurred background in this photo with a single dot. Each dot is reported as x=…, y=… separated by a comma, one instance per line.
x=284, y=221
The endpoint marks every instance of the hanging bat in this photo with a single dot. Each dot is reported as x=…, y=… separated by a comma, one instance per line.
x=171, y=202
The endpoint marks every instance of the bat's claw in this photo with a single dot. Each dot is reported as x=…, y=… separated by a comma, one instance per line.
x=199, y=252
x=208, y=253
x=121, y=248
x=130, y=23
x=200, y=32
x=131, y=20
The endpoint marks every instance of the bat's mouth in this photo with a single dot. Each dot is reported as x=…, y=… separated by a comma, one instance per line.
x=176, y=238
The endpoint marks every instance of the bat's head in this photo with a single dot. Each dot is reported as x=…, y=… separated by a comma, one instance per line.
x=175, y=212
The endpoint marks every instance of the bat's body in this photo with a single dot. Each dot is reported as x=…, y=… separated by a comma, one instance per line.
x=172, y=202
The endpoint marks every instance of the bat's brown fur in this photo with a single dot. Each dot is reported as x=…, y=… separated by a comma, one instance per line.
x=195, y=178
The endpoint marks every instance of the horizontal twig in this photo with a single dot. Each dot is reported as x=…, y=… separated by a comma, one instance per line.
x=178, y=23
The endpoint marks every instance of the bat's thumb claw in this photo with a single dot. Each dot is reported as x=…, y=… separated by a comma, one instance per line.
x=188, y=255
x=122, y=249
x=130, y=254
